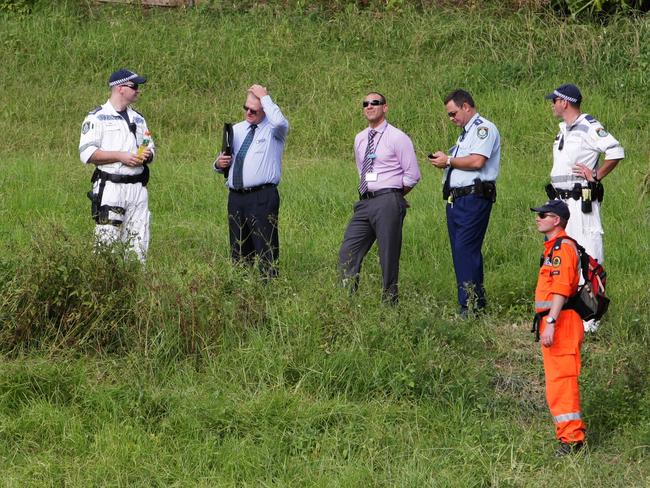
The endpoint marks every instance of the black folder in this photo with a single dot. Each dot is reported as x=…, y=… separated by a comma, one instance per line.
x=226, y=144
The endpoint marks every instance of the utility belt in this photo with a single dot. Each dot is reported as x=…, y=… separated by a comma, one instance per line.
x=594, y=191
x=129, y=179
x=101, y=214
x=483, y=189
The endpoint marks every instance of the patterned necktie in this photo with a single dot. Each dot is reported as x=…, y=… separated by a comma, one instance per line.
x=446, y=188
x=367, y=162
x=238, y=169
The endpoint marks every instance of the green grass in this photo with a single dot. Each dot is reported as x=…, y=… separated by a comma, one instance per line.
x=192, y=373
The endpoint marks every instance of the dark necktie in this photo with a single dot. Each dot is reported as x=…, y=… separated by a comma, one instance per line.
x=446, y=188
x=238, y=169
x=367, y=161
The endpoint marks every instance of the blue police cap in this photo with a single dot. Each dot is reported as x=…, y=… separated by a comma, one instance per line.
x=123, y=75
x=567, y=92
x=558, y=207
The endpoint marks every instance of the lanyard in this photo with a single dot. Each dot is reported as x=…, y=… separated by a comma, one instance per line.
x=373, y=156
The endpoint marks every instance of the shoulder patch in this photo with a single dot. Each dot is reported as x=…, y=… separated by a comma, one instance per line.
x=95, y=110
x=556, y=261
x=86, y=127
x=482, y=132
x=602, y=132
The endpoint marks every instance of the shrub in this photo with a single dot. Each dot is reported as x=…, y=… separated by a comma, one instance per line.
x=66, y=295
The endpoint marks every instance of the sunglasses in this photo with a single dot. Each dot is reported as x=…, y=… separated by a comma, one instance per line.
x=374, y=103
x=451, y=115
x=134, y=87
x=248, y=109
x=543, y=215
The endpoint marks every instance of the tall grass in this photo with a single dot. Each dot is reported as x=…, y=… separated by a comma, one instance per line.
x=190, y=372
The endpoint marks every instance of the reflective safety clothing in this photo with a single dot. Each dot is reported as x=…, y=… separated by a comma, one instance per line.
x=583, y=142
x=104, y=128
x=560, y=275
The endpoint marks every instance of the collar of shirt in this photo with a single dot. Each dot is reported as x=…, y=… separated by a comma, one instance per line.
x=263, y=123
x=574, y=123
x=471, y=122
x=551, y=242
x=109, y=106
x=379, y=129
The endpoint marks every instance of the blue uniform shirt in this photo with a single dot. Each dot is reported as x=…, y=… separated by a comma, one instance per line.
x=480, y=136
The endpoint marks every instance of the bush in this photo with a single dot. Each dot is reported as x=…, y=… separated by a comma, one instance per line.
x=64, y=295
x=590, y=8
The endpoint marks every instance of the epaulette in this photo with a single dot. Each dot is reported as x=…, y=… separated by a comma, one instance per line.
x=591, y=119
x=95, y=110
x=137, y=112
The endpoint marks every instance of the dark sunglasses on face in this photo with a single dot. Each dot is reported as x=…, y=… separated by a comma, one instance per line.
x=374, y=103
x=247, y=109
x=134, y=87
x=543, y=215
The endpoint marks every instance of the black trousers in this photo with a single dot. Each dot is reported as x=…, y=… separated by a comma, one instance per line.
x=253, y=224
x=381, y=219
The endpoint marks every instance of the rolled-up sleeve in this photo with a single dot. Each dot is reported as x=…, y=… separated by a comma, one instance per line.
x=408, y=160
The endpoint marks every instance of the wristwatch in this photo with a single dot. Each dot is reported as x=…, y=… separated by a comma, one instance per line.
x=550, y=320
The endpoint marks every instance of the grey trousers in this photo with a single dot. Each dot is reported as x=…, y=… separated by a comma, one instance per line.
x=381, y=219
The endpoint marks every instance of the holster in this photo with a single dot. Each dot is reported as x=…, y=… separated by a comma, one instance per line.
x=487, y=190
x=95, y=202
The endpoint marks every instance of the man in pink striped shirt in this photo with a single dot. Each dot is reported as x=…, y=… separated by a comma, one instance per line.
x=388, y=170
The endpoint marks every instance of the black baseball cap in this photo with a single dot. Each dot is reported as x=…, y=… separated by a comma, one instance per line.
x=558, y=207
x=124, y=75
x=567, y=92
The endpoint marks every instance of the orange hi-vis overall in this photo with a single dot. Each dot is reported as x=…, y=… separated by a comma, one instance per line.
x=560, y=275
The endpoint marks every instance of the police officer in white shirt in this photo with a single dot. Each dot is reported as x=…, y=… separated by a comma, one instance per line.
x=110, y=137
x=576, y=175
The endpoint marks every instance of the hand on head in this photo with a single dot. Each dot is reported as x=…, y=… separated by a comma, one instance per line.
x=258, y=90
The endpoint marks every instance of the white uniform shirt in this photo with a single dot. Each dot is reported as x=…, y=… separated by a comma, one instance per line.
x=581, y=142
x=105, y=129
x=479, y=136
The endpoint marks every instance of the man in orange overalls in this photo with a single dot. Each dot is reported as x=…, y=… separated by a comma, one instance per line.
x=561, y=331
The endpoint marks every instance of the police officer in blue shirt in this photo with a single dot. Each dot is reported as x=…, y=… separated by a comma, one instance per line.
x=470, y=169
